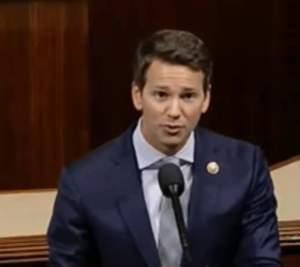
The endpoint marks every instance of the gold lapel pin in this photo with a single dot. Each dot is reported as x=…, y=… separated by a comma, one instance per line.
x=213, y=167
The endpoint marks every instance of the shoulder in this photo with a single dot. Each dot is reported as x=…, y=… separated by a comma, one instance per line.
x=101, y=161
x=226, y=145
x=220, y=139
x=99, y=157
x=236, y=156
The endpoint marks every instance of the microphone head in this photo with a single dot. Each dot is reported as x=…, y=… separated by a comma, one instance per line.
x=170, y=180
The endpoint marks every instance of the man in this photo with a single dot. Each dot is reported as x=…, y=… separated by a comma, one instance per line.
x=108, y=210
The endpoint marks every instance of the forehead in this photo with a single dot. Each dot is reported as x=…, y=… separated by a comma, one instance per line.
x=163, y=72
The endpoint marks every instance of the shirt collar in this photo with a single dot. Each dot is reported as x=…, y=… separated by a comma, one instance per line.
x=146, y=154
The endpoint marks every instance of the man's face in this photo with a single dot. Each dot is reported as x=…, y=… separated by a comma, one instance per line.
x=171, y=102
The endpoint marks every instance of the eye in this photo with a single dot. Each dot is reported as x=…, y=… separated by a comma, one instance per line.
x=188, y=96
x=160, y=95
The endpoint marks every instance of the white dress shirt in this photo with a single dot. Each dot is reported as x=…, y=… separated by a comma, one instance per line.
x=146, y=155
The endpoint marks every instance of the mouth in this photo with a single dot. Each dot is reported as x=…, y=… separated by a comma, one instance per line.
x=172, y=129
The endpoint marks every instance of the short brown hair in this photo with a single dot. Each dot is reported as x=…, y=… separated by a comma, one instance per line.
x=174, y=47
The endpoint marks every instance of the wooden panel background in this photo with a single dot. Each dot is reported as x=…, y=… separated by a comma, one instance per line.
x=43, y=90
x=256, y=92
x=65, y=75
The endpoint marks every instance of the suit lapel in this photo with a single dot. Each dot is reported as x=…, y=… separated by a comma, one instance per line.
x=133, y=207
x=203, y=197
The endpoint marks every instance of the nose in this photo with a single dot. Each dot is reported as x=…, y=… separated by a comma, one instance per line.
x=174, y=109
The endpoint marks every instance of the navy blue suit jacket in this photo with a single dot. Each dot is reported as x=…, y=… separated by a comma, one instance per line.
x=100, y=216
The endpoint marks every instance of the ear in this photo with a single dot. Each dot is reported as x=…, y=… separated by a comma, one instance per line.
x=136, y=96
x=206, y=102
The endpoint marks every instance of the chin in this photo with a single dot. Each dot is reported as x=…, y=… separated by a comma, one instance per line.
x=172, y=147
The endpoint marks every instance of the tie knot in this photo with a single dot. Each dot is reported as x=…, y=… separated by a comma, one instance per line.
x=170, y=159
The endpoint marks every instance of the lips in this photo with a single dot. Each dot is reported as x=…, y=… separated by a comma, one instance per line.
x=172, y=129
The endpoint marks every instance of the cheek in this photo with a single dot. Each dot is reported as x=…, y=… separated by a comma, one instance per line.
x=195, y=119
x=150, y=117
x=152, y=110
x=193, y=115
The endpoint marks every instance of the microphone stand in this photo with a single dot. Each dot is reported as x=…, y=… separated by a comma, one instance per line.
x=181, y=227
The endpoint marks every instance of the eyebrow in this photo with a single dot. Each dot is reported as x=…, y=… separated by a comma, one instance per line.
x=185, y=89
x=161, y=87
x=189, y=89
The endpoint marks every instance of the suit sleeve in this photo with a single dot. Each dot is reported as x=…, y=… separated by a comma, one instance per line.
x=259, y=245
x=68, y=235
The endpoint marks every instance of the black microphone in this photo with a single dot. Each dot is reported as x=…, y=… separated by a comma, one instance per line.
x=171, y=183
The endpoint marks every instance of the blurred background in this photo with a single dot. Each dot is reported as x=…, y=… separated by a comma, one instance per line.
x=66, y=68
